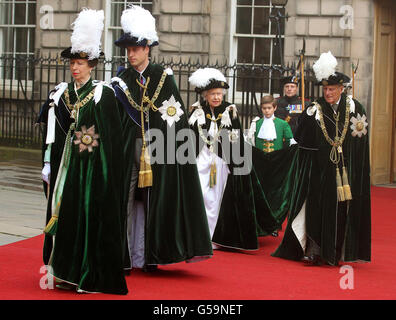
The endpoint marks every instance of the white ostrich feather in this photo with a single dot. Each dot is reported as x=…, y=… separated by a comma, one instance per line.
x=87, y=32
x=325, y=66
x=139, y=23
x=201, y=78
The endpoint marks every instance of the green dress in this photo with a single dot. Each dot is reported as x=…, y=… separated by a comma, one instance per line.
x=176, y=229
x=340, y=230
x=88, y=246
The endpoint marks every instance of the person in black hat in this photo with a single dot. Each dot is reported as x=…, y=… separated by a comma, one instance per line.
x=166, y=221
x=289, y=106
x=83, y=245
x=330, y=215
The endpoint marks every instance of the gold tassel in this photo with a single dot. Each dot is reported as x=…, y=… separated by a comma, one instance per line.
x=212, y=181
x=145, y=173
x=340, y=189
x=51, y=226
x=345, y=185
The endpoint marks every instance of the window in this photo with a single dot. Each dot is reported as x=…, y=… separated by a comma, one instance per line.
x=256, y=38
x=114, y=30
x=17, y=27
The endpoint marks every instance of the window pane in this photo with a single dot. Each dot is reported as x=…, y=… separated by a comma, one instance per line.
x=32, y=13
x=31, y=41
x=280, y=20
x=245, y=50
x=261, y=2
x=21, y=40
x=244, y=2
x=262, y=51
x=116, y=11
x=276, y=54
x=20, y=13
x=261, y=21
x=5, y=13
x=244, y=20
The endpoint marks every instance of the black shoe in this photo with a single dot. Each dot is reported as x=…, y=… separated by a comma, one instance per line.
x=275, y=234
x=127, y=272
x=313, y=260
x=150, y=268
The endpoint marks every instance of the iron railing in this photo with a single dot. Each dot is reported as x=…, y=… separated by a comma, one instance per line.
x=25, y=83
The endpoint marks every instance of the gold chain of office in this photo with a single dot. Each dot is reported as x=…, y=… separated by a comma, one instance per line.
x=338, y=141
x=146, y=99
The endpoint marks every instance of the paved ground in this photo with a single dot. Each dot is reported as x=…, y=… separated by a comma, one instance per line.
x=22, y=201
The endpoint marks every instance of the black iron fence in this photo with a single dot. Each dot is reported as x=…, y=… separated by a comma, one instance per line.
x=25, y=83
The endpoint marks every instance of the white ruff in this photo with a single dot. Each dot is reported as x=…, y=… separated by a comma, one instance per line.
x=267, y=130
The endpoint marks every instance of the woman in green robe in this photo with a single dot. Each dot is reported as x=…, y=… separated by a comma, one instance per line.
x=87, y=222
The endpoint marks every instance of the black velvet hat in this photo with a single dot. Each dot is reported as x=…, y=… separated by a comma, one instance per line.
x=289, y=79
x=126, y=40
x=337, y=78
x=77, y=55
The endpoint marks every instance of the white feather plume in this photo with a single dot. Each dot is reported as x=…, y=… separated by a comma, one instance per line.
x=87, y=32
x=201, y=78
x=139, y=23
x=325, y=66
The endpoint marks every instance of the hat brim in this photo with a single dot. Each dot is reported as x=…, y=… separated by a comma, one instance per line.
x=337, y=79
x=77, y=55
x=214, y=84
x=127, y=40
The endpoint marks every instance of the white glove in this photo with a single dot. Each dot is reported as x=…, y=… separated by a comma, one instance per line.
x=46, y=172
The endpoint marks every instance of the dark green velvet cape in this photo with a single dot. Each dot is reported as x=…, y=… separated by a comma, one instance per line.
x=315, y=183
x=176, y=227
x=88, y=247
x=244, y=213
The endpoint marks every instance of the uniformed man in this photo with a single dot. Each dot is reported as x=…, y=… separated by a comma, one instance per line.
x=289, y=106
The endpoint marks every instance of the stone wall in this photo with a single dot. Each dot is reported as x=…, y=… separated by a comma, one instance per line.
x=196, y=30
x=53, y=40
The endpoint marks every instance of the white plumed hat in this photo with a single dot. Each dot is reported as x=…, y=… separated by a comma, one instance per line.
x=86, y=36
x=139, y=28
x=208, y=78
x=325, y=71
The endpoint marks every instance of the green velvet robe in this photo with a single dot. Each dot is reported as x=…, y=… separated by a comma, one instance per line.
x=176, y=228
x=314, y=179
x=244, y=212
x=283, y=136
x=88, y=247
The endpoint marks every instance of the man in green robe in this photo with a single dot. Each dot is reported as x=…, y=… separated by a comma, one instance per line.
x=166, y=216
x=330, y=214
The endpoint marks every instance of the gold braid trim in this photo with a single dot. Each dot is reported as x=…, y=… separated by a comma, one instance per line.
x=146, y=99
x=343, y=188
x=81, y=103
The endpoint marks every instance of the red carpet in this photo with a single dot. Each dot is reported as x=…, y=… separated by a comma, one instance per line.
x=229, y=275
